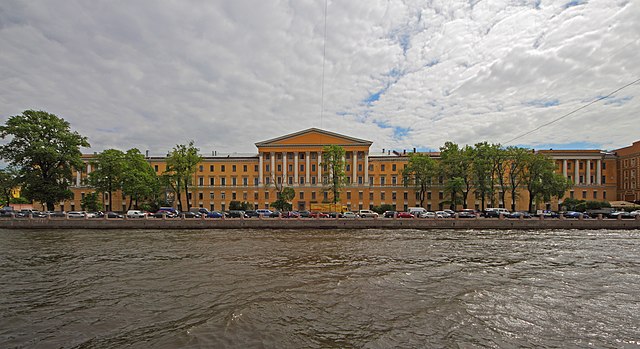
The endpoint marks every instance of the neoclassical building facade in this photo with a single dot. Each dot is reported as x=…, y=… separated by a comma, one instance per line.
x=373, y=176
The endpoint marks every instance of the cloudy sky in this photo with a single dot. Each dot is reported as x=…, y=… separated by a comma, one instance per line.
x=401, y=73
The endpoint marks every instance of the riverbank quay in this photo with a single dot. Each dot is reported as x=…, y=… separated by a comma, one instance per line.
x=317, y=223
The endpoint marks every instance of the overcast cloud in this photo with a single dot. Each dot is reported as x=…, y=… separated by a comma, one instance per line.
x=401, y=73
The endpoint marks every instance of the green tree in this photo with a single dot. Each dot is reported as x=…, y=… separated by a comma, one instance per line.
x=8, y=182
x=91, y=202
x=181, y=166
x=419, y=173
x=541, y=180
x=516, y=167
x=45, y=151
x=333, y=164
x=483, y=170
x=456, y=164
x=283, y=203
x=108, y=173
x=139, y=180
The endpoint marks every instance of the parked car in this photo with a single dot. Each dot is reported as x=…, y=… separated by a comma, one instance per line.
x=166, y=213
x=290, y=214
x=389, y=214
x=252, y=214
x=304, y=214
x=467, y=213
x=237, y=214
x=405, y=215
x=349, y=215
x=429, y=214
x=548, y=214
x=634, y=213
x=113, y=215
x=519, y=214
x=7, y=212
x=264, y=212
x=621, y=214
x=318, y=215
x=31, y=213
x=80, y=214
x=136, y=214
x=335, y=215
x=574, y=214
x=367, y=214
x=495, y=212
x=443, y=214
x=217, y=214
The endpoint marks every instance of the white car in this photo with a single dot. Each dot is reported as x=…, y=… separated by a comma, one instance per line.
x=80, y=214
x=367, y=214
x=136, y=214
x=443, y=214
x=430, y=214
x=349, y=215
x=634, y=213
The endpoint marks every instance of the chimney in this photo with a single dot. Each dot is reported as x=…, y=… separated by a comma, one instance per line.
x=382, y=150
x=404, y=151
x=414, y=150
x=389, y=152
x=146, y=153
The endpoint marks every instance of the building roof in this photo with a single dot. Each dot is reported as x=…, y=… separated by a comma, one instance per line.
x=313, y=136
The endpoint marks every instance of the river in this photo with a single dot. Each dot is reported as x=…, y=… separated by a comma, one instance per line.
x=319, y=289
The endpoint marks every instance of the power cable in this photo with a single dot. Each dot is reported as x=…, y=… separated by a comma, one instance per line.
x=571, y=112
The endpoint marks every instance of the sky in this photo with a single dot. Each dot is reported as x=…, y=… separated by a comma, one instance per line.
x=400, y=73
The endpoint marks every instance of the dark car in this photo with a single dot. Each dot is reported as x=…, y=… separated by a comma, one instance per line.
x=335, y=215
x=548, y=214
x=519, y=214
x=108, y=215
x=389, y=214
x=165, y=213
x=290, y=214
x=318, y=215
x=217, y=214
x=304, y=214
x=468, y=213
x=7, y=212
x=252, y=213
x=574, y=214
x=190, y=215
x=56, y=214
x=237, y=214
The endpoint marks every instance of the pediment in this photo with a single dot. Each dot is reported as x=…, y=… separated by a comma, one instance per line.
x=313, y=136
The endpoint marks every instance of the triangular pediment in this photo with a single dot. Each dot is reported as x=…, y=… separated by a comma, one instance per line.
x=313, y=136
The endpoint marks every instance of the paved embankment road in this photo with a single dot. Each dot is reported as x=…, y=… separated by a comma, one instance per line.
x=322, y=223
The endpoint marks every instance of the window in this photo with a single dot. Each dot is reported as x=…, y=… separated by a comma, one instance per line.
x=348, y=195
x=393, y=195
x=360, y=195
x=313, y=156
x=201, y=168
x=348, y=168
x=267, y=156
x=245, y=181
x=595, y=194
x=255, y=168
x=200, y=181
x=255, y=181
x=580, y=164
x=266, y=195
x=233, y=196
x=155, y=167
x=370, y=167
x=234, y=181
x=313, y=180
x=301, y=195
x=278, y=156
x=279, y=168
x=604, y=165
x=326, y=196
x=290, y=156
x=301, y=180
x=223, y=181
x=440, y=195
x=267, y=168
x=244, y=196
x=223, y=195
x=290, y=168
x=211, y=196
x=382, y=180
x=382, y=196
x=406, y=195
x=267, y=180
x=393, y=167
x=244, y=168
x=360, y=167
x=290, y=180
x=604, y=195
x=222, y=168
x=348, y=179
x=313, y=195
x=370, y=196
x=584, y=194
x=382, y=167
x=255, y=195
x=370, y=180
x=211, y=168
x=313, y=167
x=429, y=195
x=394, y=180
x=301, y=156
x=301, y=168
x=604, y=179
x=571, y=195
x=200, y=196
x=233, y=168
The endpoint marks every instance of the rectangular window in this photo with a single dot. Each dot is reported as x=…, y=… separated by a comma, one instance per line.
x=244, y=196
x=301, y=195
x=313, y=180
x=255, y=195
x=233, y=196
x=370, y=180
x=406, y=195
x=382, y=167
x=604, y=195
x=255, y=181
x=382, y=180
x=200, y=181
x=382, y=196
x=233, y=168
x=595, y=194
x=348, y=168
x=604, y=165
x=429, y=195
x=290, y=168
x=245, y=181
x=279, y=168
x=266, y=195
x=584, y=194
x=313, y=195
x=360, y=195
x=290, y=180
x=244, y=168
x=313, y=168
x=393, y=195
x=440, y=195
x=223, y=195
x=604, y=179
x=223, y=181
x=360, y=167
x=267, y=180
x=301, y=156
x=301, y=168
x=211, y=168
x=155, y=167
x=571, y=194
x=348, y=195
x=394, y=180
x=301, y=180
x=211, y=195
x=200, y=168
x=255, y=168
x=393, y=167
x=200, y=196
x=370, y=196
x=267, y=168
x=234, y=181
x=222, y=168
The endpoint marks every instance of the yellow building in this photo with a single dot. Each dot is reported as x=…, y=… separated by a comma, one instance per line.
x=373, y=178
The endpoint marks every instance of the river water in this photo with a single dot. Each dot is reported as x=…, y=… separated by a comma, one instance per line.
x=319, y=289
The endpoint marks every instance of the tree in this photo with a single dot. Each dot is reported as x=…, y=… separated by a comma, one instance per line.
x=139, y=181
x=45, y=151
x=419, y=172
x=483, y=170
x=516, y=166
x=500, y=163
x=455, y=163
x=181, y=166
x=108, y=172
x=283, y=203
x=8, y=182
x=91, y=202
x=333, y=164
x=541, y=180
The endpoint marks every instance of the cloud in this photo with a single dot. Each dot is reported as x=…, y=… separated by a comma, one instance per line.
x=401, y=73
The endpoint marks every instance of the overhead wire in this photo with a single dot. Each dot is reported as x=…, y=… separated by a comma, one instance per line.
x=572, y=112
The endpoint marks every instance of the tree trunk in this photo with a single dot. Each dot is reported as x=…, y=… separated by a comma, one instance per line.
x=186, y=193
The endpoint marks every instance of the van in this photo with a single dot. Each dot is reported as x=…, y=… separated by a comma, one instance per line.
x=417, y=211
x=136, y=214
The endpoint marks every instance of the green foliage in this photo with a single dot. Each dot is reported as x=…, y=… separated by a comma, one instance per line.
x=108, y=171
x=243, y=206
x=139, y=181
x=334, y=164
x=19, y=200
x=571, y=204
x=455, y=165
x=91, y=202
x=9, y=180
x=484, y=170
x=44, y=150
x=541, y=180
x=283, y=203
x=181, y=166
x=419, y=172
x=516, y=168
x=382, y=208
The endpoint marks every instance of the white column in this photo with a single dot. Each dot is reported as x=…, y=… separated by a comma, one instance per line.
x=354, y=179
x=78, y=174
x=261, y=160
x=599, y=172
x=273, y=166
x=366, y=168
x=284, y=168
x=319, y=179
x=576, y=171
x=295, y=167
x=88, y=168
x=564, y=168
x=307, y=168
x=587, y=176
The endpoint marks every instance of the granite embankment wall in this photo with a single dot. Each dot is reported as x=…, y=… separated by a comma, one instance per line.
x=324, y=223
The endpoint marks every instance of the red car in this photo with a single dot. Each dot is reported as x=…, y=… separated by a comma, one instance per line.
x=404, y=215
x=318, y=215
